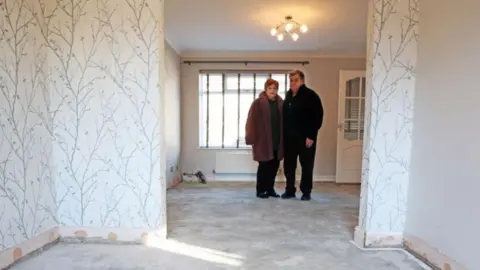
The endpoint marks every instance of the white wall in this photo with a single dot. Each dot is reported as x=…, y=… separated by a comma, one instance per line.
x=27, y=181
x=80, y=121
x=443, y=213
x=171, y=105
x=322, y=75
x=107, y=128
x=392, y=53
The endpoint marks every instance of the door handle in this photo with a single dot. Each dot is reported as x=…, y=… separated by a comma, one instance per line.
x=340, y=126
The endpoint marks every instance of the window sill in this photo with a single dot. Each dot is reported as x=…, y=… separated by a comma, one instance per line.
x=249, y=149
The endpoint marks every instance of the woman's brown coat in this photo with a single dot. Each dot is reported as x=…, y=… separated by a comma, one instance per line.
x=258, y=130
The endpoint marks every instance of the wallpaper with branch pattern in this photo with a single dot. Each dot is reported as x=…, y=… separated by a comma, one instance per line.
x=389, y=110
x=79, y=115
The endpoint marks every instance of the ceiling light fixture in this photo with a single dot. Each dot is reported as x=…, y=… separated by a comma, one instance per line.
x=288, y=27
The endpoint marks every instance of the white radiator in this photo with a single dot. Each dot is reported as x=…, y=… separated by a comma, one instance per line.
x=235, y=162
x=239, y=166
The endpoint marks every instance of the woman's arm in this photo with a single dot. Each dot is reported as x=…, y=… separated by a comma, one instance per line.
x=250, y=127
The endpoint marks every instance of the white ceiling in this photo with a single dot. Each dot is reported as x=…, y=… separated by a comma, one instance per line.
x=335, y=26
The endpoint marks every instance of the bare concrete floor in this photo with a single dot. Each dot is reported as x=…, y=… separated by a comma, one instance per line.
x=224, y=226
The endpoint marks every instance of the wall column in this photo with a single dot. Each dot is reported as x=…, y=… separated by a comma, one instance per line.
x=391, y=59
x=105, y=69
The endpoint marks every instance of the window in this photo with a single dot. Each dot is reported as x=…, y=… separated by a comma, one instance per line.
x=354, y=109
x=225, y=98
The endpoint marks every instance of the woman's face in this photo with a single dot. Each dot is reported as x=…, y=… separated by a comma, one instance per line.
x=271, y=91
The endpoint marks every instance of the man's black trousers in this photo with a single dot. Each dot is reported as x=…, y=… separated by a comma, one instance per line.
x=295, y=148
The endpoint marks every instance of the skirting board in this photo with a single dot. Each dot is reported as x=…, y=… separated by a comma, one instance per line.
x=413, y=245
x=10, y=256
x=112, y=235
x=411, y=256
x=252, y=178
x=430, y=255
x=377, y=240
x=175, y=181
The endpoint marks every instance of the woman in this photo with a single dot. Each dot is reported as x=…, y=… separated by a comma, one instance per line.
x=264, y=132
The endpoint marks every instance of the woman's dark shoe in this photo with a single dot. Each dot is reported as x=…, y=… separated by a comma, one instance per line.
x=262, y=195
x=273, y=194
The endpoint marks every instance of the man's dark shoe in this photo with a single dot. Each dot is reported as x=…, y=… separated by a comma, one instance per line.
x=262, y=195
x=306, y=197
x=273, y=194
x=288, y=195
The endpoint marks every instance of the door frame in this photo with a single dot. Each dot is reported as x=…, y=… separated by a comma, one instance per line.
x=343, y=75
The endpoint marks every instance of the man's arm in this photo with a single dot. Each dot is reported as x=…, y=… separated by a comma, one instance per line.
x=250, y=126
x=315, y=110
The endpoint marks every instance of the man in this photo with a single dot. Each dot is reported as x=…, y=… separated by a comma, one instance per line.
x=303, y=117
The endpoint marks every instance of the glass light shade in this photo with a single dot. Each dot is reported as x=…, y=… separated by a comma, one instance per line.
x=289, y=27
x=273, y=31
x=303, y=28
x=295, y=36
x=280, y=37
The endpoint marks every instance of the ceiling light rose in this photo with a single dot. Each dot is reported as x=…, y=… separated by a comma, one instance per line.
x=288, y=27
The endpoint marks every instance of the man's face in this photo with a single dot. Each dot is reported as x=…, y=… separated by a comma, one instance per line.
x=295, y=82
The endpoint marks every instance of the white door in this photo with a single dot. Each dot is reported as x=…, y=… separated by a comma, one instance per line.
x=350, y=128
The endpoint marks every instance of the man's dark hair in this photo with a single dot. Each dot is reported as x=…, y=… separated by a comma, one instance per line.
x=297, y=72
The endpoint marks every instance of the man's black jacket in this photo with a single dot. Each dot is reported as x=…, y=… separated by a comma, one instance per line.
x=303, y=114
